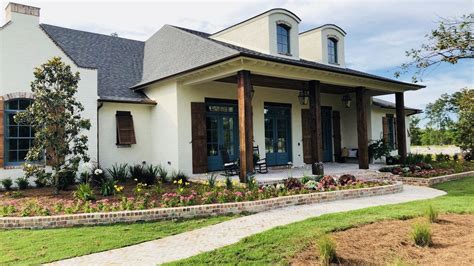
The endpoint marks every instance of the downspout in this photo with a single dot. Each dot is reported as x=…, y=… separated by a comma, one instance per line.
x=99, y=105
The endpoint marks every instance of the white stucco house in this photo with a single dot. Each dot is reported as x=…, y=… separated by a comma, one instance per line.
x=182, y=98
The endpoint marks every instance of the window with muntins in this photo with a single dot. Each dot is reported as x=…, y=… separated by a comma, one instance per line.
x=332, y=51
x=18, y=137
x=283, y=39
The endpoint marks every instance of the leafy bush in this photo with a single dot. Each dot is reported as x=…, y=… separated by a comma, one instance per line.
x=228, y=183
x=387, y=169
x=456, y=157
x=149, y=175
x=391, y=160
x=311, y=184
x=108, y=187
x=66, y=179
x=292, y=183
x=428, y=158
x=413, y=159
x=432, y=214
x=440, y=157
x=7, y=183
x=118, y=172
x=251, y=182
x=84, y=177
x=136, y=171
x=22, y=183
x=180, y=175
x=84, y=192
x=327, y=182
x=43, y=179
x=327, y=250
x=378, y=149
x=163, y=174
x=346, y=179
x=421, y=234
x=98, y=177
x=211, y=180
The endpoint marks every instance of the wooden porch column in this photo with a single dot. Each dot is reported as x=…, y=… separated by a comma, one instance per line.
x=401, y=130
x=362, y=136
x=315, y=118
x=244, y=95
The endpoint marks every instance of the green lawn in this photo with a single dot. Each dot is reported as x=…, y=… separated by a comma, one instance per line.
x=27, y=247
x=280, y=244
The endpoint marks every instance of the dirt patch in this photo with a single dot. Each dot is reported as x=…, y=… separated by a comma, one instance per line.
x=384, y=243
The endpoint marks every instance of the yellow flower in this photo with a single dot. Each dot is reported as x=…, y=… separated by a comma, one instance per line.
x=180, y=181
x=181, y=189
x=187, y=183
x=174, y=182
x=139, y=189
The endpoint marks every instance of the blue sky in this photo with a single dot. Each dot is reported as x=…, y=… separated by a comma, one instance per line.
x=378, y=32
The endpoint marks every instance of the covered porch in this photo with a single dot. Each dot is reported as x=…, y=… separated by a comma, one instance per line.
x=250, y=77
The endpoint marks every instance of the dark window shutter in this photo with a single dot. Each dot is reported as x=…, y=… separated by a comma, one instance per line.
x=336, y=127
x=199, y=137
x=394, y=132
x=306, y=129
x=385, y=129
x=125, y=129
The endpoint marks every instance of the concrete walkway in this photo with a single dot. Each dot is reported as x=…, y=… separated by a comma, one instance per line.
x=216, y=236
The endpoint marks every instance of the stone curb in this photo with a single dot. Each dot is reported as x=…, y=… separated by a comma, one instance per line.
x=90, y=219
x=420, y=181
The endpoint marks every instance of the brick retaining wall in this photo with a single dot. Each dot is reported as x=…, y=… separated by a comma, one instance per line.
x=191, y=211
x=420, y=181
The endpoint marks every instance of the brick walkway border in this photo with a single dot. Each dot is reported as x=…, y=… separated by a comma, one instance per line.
x=89, y=219
x=427, y=182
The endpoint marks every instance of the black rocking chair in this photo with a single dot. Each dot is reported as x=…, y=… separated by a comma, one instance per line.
x=230, y=167
x=260, y=164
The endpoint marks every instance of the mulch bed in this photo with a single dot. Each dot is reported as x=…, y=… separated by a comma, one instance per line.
x=388, y=242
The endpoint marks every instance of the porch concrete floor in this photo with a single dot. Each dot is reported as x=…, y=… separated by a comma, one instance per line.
x=282, y=172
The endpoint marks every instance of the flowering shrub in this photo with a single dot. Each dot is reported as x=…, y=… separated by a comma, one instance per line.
x=181, y=193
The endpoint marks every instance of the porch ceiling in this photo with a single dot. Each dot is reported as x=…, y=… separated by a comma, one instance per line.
x=293, y=84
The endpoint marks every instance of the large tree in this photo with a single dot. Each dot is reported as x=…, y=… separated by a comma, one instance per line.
x=465, y=124
x=55, y=116
x=451, y=42
x=415, y=130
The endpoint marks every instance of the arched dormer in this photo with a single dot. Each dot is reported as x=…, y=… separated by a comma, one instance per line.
x=273, y=32
x=324, y=44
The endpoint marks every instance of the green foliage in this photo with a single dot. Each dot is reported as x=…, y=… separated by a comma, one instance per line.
x=163, y=174
x=413, y=159
x=107, y=188
x=415, y=130
x=228, y=183
x=327, y=250
x=118, y=172
x=43, y=179
x=84, y=192
x=432, y=214
x=150, y=174
x=440, y=157
x=211, y=180
x=449, y=43
x=7, y=183
x=180, y=175
x=428, y=158
x=55, y=116
x=379, y=148
x=421, y=234
x=65, y=179
x=22, y=183
x=137, y=171
x=465, y=125
x=251, y=182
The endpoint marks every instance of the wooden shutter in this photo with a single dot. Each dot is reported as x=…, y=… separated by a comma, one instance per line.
x=125, y=129
x=336, y=128
x=199, y=137
x=306, y=130
x=1, y=133
x=385, y=129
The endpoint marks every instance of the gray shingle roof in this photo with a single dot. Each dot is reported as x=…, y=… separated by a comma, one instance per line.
x=301, y=62
x=119, y=61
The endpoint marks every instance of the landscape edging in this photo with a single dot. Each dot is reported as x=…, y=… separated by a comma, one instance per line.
x=89, y=219
x=421, y=181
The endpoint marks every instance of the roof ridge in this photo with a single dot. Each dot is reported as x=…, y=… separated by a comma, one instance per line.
x=94, y=33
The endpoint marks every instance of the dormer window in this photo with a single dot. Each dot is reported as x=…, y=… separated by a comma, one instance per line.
x=332, y=51
x=283, y=39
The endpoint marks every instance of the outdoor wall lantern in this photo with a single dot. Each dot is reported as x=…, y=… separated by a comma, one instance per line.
x=303, y=96
x=346, y=100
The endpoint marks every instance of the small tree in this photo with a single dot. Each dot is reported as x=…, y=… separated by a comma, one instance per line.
x=451, y=42
x=465, y=125
x=415, y=130
x=55, y=117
